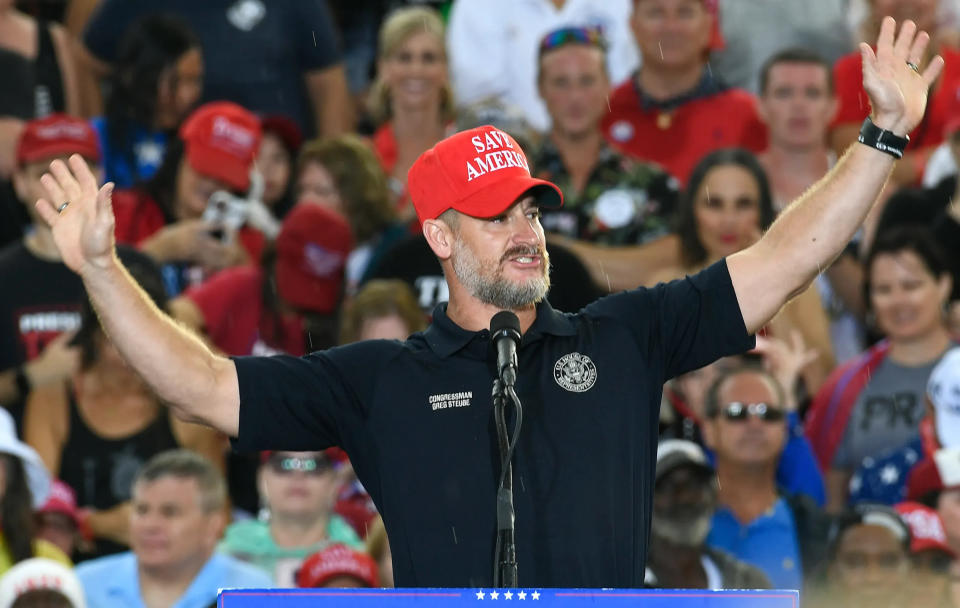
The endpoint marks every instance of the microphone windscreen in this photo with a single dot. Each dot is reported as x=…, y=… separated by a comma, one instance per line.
x=505, y=320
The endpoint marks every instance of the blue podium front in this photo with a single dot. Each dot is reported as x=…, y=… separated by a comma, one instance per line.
x=504, y=598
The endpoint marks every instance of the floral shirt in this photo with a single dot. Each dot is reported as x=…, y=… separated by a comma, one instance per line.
x=625, y=202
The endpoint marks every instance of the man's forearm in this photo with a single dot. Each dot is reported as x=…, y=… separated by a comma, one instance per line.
x=815, y=228
x=176, y=364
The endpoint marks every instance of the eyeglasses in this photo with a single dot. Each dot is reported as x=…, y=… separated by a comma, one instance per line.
x=284, y=465
x=738, y=412
x=592, y=36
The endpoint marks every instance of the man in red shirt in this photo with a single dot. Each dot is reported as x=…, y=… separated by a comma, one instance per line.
x=855, y=106
x=674, y=110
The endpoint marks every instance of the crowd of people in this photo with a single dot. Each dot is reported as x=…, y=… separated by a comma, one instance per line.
x=259, y=151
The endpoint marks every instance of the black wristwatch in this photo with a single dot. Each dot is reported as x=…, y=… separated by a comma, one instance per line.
x=23, y=382
x=881, y=139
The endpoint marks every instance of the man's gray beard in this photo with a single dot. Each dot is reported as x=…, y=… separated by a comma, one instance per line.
x=498, y=291
x=682, y=532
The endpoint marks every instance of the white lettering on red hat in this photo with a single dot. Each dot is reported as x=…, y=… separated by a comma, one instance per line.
x=59, y=130
x=491, y=145
x=321, y=262
x=925, y=524
x=228, y=134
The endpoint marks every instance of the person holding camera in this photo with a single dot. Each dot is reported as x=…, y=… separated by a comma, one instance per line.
x=190, y=216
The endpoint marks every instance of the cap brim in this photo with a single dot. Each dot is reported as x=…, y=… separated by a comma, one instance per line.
x=211, y=162
x=56, y=150
x=670, y=464
x=498, y=197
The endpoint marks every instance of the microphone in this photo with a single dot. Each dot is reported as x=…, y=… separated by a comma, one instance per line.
x=505, y=333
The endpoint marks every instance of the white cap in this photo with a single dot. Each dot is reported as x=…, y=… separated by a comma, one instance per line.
x=40, y=573
x=943, y=390
x=38, y=479
x=673, y=453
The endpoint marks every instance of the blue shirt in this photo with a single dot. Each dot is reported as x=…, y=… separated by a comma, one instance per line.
x=113, y=581
x=415, y=418
x=768, y=542
x=139, y=158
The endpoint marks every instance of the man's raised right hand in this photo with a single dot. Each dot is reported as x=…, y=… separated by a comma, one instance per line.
x=83, y=229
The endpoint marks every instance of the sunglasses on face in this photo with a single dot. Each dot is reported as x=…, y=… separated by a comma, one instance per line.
x=284, y=465
x=738, y=412
x=592, y=36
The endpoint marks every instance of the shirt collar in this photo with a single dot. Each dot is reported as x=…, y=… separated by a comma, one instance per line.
x=446, y=338
x=707, y=85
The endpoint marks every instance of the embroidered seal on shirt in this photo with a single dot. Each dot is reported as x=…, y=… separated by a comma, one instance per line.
x=575, y=372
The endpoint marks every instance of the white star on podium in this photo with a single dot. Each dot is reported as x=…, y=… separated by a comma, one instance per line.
x=480, y=595
x=508, y=595
x=535, y=595
x=494, y=595
x=522, y=595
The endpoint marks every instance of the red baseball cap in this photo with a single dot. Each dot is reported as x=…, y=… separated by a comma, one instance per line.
x=284, y=128
x=221, y=140
x=63, y=500
x=312, y=250
x=334, y=561
x=926, y=528
x=57, y=135
x=479, y=172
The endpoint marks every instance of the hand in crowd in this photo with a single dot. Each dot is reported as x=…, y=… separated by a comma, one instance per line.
x=79, y=214
x=785, y=360
x=194, y=241
x=56, y=363
x=898, y=93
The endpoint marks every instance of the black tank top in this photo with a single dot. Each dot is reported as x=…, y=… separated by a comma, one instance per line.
x=101, y=471
x=48, y=79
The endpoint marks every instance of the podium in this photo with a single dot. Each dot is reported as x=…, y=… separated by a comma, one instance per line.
x=504, y=598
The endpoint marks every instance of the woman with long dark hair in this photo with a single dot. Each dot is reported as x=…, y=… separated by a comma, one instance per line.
x=725, y=207
x=24, y=485
x=157, y=79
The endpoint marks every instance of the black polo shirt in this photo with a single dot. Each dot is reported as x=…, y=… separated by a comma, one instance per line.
x=415, y=418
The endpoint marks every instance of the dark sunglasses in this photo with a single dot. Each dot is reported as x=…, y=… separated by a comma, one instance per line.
x=592, y=36
x=738, y=412
x=283, y=465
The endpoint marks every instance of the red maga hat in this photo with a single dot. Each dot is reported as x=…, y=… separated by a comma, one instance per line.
x=479, y=172
x=312, y=250
x=57, y=135
x=221, y=140
x=926, y=528
x=334, y=561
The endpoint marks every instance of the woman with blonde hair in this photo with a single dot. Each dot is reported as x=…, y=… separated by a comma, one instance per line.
x=411, y=98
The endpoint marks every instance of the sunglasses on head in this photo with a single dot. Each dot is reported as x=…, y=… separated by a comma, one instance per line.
x=312, y=465
x=592, y=36
x=738, y=412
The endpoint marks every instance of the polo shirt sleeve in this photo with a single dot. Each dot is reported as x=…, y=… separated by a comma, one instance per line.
x=313, y=35
x=685, y=324
x=311, y=402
